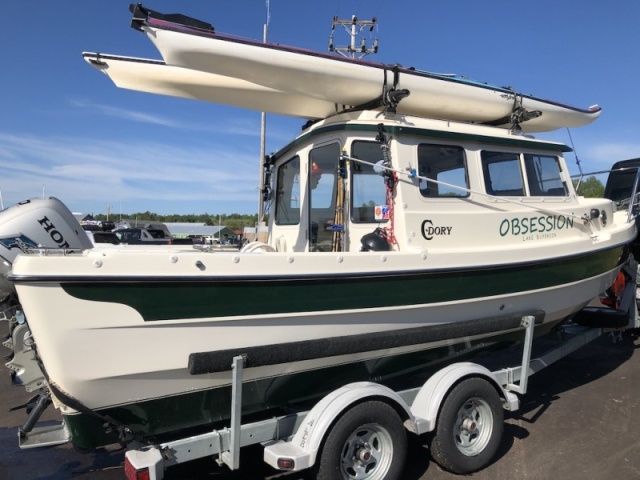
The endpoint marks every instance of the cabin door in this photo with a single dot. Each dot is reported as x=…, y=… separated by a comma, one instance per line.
x=323, y=184
x=364, y=197
x=368, y=190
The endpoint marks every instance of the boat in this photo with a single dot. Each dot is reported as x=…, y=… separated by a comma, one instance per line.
x=192, y=44
x=396, y=244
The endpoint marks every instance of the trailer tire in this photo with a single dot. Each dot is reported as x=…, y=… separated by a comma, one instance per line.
x=469, y=427
x=368, y=442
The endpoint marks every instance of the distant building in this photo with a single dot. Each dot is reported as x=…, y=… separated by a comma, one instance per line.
x=82, y=216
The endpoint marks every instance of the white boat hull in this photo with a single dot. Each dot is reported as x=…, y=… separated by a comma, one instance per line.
x=151, y=357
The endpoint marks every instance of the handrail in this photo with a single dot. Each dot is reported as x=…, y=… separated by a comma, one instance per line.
x=411, y=174
x=634, y=199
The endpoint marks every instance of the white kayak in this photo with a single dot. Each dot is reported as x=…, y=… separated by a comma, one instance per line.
x=194, y=45
x=154, y=76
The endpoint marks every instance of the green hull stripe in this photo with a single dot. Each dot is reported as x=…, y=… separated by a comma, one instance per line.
x=157, y=299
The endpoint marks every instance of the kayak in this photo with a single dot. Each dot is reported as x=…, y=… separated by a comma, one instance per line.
x=353, y=83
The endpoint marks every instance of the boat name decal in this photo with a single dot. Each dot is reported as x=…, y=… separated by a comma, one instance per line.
x=538, y=225
x=428, y=230
x=55, y=235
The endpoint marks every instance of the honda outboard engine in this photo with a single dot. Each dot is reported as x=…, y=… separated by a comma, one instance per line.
x=36, y=223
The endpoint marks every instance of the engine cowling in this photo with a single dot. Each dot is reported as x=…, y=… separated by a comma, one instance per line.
x=36, y=223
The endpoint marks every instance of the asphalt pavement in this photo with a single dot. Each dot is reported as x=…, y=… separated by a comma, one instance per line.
x=579, y=420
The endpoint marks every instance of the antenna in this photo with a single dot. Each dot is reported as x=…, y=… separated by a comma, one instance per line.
x=575, y=152
x=353, y=27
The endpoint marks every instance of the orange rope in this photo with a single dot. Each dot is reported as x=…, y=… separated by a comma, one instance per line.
x=389, y=231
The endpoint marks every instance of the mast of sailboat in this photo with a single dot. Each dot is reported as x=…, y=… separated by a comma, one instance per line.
x=263, y=135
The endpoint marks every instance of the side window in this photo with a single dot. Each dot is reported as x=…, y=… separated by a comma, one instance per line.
x=323, y=165
x=543, y=174
x=444, y=164
x=502, y=174
x=288, y=193
x=367, y=187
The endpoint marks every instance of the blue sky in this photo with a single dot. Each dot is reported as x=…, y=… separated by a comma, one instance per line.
x=65, y=129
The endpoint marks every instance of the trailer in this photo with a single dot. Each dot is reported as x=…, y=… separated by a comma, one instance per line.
x=359, y=431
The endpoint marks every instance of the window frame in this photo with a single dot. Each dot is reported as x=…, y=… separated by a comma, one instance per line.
x=425, y=192
x=321, y=218
x=278, y=201
x=365, y=213
x=533, y=178
x=485, y=164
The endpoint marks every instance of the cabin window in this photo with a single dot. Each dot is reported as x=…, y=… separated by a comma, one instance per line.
x=368, y=190
x=442, y=163
x=323, y=165
x=288, y=193
x=502, y=174
x=543, y=174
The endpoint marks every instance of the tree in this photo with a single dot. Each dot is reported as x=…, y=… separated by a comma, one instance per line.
x=591, y=188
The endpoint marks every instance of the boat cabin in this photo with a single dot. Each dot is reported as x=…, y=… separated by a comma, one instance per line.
x=371, y=181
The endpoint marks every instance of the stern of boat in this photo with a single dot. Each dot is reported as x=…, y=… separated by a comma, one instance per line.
x=26, y=371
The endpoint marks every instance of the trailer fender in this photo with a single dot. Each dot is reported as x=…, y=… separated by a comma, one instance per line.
x=305, y=444
x=427, y=403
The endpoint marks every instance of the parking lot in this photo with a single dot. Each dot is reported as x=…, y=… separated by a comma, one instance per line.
x=578, y=421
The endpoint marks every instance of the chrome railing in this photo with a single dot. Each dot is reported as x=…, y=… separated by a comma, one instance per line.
x=634, y=200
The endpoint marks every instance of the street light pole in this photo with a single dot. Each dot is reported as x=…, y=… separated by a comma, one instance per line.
x=263, y=135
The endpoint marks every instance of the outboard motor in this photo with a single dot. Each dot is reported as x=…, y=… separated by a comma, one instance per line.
x=36, y=223
x=375, y=241
x=31, y=224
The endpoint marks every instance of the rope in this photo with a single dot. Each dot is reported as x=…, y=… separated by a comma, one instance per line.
x=390, y=230
x=337, y=238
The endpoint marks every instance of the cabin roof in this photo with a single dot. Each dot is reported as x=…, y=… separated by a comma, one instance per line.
x=368, y=121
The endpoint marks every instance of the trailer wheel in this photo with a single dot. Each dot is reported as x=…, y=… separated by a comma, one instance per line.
x=469, y=427
x=367, y=442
